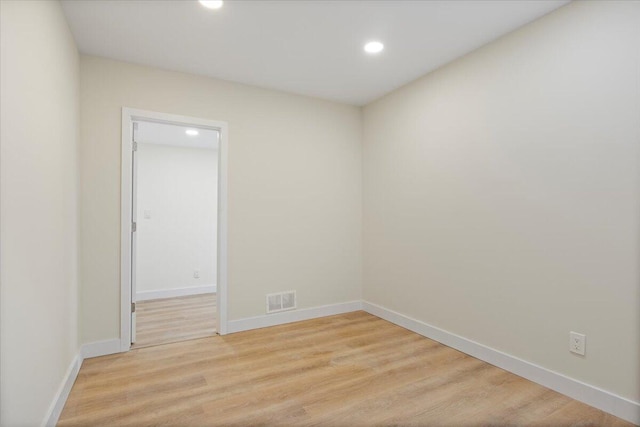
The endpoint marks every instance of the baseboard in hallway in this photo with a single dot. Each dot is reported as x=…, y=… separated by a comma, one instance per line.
x=176, y=292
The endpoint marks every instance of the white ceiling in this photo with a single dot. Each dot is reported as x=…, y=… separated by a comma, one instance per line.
x=176, y=136
x=306, y=47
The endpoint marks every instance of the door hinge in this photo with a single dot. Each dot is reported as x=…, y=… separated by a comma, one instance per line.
x=134, y=138
x=134, y=227
x=133, y=307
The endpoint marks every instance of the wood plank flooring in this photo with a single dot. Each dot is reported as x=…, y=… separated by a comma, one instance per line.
x=170, y=320
x=347, y=370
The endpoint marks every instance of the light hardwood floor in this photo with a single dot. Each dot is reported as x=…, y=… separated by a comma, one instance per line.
x=347, y=370
x=170, y=320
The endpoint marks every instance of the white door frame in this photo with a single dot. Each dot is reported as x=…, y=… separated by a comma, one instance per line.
x=129, y=115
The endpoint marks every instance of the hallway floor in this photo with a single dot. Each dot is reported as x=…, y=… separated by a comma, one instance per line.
x=168, y=320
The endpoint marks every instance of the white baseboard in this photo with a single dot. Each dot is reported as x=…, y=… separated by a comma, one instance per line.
x=291, y=316
x=60, y=398
x=606, y=401
x=176, y=292
x=94, y=349
x=100, y=348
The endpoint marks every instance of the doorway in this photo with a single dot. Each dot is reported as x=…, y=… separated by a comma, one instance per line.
x=175, y=173
x=174, y=251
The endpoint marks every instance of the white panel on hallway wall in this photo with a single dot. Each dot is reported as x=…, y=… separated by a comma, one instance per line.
x=176, y=220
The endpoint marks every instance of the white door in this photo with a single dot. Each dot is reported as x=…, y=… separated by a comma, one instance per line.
x=134, y=222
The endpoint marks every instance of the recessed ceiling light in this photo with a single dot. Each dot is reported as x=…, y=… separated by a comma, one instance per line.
x=191, y=132
x=211, y=4
x=373, y=47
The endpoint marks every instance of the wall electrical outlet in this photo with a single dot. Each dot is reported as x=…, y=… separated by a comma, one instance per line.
x=577, y=343
x=196, y=274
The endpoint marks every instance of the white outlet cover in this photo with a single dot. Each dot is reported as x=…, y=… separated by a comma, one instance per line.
x=577, y=343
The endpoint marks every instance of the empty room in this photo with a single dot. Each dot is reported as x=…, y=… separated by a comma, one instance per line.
x=310, y=212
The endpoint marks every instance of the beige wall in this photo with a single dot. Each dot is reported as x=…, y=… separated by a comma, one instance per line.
x=502, y=195
x=294, y=188
x=38, y=214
